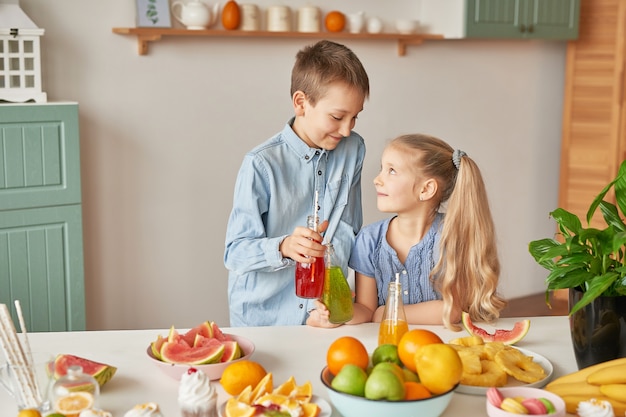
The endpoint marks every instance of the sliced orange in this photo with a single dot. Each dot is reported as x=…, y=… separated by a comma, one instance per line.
x=246, y=395
x=310, y=409
x=236, y=408
x=263, y=387
x=304, y=392
x=73, y=403
x=283, y=401
x=287, y=387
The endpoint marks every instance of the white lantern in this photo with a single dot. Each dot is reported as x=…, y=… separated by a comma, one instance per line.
x=20, y=59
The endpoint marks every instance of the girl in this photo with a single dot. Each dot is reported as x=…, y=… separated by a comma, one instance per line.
x=448, y=263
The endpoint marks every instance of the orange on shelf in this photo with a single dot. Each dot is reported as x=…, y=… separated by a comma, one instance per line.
x=335, y=21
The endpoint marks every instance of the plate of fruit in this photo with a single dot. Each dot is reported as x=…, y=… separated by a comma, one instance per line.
x=204, y=347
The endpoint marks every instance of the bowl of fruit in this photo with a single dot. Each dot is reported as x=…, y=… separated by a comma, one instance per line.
x=204, y=347
x=384, y=383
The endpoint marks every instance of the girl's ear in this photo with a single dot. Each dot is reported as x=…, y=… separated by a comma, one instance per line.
x=299, y=100
x=428, y=190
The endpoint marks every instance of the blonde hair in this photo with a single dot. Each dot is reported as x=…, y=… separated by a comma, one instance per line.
x=323, y=63
x=468, y=270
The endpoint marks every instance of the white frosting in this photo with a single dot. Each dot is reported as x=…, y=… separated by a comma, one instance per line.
x=196, y=393
x=595, y=408
x=94, y=412
x=144, y=410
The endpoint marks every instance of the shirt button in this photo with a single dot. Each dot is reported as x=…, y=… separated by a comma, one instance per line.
x=319, y=172
x=406, y=292
x=300, y=306
x=317, y=152
x=306, y=157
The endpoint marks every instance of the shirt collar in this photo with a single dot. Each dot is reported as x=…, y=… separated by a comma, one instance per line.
x=298, y=145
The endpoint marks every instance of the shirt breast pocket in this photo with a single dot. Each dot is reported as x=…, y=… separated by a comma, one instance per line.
x=338, y=191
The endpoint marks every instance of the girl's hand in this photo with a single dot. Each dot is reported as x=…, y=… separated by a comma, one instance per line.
x=304, y=244
x=319, y=317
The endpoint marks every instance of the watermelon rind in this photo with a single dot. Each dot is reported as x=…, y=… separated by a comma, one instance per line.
x=232, y=351
x=508, y=337
x=156, y=346
x=100, y=371
x=183, y=354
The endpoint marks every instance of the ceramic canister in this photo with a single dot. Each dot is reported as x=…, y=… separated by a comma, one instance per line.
x=278, y=19
x=309, y=19
x=250, y=17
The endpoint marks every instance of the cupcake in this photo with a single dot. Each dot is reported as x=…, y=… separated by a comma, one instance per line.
x=144, y=410
x=196, y=396
x=595, y=408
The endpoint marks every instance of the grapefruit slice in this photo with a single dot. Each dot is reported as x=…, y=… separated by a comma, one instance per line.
x=184, y=354
x=508, y=337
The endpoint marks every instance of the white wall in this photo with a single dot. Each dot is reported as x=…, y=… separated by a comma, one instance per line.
x=163, y=135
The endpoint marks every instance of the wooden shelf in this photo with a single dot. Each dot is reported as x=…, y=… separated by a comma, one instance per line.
x=146, y=35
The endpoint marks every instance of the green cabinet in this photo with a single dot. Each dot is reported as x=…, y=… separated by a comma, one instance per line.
x=522, y=19
x=41, y=243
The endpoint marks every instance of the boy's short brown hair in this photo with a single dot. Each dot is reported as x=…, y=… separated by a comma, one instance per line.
x=324, y=63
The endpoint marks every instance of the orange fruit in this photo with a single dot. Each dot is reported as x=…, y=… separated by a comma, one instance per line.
x=335, y=21
x=234, y=408
x=238, y=375
x=415, y=391
x=411, y=341
x=439, y=367
x=264, y=386
x=73, y=403
x=344, y=350
x=231, y=15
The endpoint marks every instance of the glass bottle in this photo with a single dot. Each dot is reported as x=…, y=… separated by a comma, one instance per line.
x=394, y=324
x=310, y=277
x=337, y=295
x=75, y=387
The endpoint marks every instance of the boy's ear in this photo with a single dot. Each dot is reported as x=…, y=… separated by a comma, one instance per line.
x=428, y=190
x=299, y=99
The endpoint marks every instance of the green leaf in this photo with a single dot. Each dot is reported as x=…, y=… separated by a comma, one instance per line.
x=568, y=223
x=620, y=188
x=611, y=216
x=596, y=288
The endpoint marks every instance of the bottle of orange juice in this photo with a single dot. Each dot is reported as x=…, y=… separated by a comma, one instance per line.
x=393, y=324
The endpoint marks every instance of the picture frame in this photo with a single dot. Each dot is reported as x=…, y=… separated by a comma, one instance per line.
x=153, y=13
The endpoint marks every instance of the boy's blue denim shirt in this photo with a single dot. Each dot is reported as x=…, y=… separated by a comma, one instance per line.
x=274, y=193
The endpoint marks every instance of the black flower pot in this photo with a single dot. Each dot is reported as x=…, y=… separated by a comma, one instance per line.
x=598, y=330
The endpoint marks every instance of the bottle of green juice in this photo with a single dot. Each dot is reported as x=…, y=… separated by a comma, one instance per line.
x=337, y=295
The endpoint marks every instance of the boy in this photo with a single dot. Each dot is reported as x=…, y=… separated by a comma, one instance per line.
x=316, y=151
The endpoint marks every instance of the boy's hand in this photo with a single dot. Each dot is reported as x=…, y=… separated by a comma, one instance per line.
x=319, y=317
x=304, y=244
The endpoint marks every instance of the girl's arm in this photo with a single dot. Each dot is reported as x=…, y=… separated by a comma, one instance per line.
x=429, y=312
x=366, y=301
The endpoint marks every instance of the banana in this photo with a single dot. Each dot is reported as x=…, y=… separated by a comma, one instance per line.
x=581, y=375
x=608, y=375
x=575, y=388
x=614, y=391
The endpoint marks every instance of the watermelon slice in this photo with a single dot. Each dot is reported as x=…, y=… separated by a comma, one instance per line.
x=183, y=354
x=100, y=371
x=232, y=351
x=508, y=337
x=205, y=329
x=156, y=346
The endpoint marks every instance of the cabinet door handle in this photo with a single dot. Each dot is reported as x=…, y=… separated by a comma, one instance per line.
x=522, y=28
x=530, y=29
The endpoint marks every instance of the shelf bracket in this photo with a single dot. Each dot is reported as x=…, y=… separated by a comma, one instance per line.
x=142, y=42
x=402, y=44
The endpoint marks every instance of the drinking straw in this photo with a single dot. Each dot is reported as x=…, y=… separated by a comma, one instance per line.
x=29, y=357
x=316, y=210
x=15, y=358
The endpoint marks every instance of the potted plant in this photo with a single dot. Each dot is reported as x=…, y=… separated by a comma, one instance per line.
x=591, y=263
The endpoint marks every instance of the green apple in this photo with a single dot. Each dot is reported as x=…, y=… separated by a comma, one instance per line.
x=389, y=366
x=386, y=353
x=351, y=380
x=410, y=376
x=383, y=384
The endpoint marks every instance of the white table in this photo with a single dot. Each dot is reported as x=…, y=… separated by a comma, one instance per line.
x=295, y=350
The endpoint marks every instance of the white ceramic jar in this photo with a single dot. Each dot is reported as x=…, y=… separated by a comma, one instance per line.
x=278, y=19
x=309, y=19
x=250, y=17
